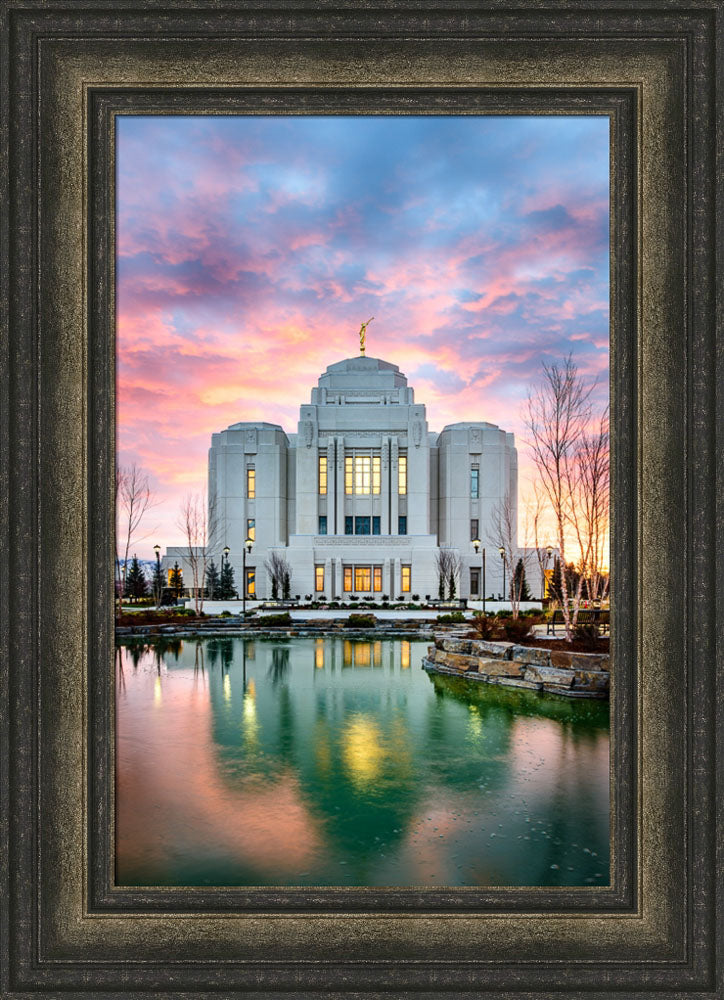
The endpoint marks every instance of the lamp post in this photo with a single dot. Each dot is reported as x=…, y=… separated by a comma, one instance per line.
x=157, y=550
x=224, y=556
x=549, y=553
x=501, y=550
x=476, y=546
x=247, y=548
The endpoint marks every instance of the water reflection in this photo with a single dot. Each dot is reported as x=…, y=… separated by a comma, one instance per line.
x=265, y=763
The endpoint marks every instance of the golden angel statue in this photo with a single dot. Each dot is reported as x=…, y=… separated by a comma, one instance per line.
x=362, y=331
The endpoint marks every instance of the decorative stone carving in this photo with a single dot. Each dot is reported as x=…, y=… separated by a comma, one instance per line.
x=416, y=433
x=250, y=441
x=308, y=433
x=475, y=439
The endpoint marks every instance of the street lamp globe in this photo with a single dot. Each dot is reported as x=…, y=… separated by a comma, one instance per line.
x=248, y=543
x=476, y=545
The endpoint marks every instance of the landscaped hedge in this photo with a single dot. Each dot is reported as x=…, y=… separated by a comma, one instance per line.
x=361, y=621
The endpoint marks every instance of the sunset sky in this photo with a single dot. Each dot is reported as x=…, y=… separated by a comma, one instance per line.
x=250, y=249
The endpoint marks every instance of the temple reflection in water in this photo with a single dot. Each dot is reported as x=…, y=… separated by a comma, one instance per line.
x=340, y=761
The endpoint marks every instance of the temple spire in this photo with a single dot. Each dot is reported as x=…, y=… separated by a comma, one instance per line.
x=362, y=331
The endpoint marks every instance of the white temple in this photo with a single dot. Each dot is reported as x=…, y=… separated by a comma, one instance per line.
x=362, y=497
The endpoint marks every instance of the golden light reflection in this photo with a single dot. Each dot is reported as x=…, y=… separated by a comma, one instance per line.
x=362, y=750
x=251, y=723
x=227, y=688
x=377, y=654
x=157, y=692
x=362, y=654
x=405, y=654
x=475, y=723
x=319, y=654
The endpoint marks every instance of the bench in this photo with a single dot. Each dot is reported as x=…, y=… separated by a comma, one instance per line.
x=586, y=616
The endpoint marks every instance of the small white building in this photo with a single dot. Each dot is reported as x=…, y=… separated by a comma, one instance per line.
x=360, y=500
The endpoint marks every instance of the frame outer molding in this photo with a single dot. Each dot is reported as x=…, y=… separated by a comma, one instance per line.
x=53, y=938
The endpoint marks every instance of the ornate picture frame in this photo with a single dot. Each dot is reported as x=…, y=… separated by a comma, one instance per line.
x=69, y=68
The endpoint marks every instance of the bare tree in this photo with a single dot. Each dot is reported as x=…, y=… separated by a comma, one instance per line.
x=535, y=510
x=198, y=522
x=448, y=565
x=134, y=497
x=504, y=536
x=279, y=571
x=590, y=496
x=558, y=413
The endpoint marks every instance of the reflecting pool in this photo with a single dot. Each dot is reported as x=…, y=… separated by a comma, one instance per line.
x=342, y=762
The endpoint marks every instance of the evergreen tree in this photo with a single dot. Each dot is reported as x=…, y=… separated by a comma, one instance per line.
x=441, y=588
x=520, y=584
x=157, y=583
x=176, y=581
x=451, y=586
x=287, y=587
x=275, y=589
x=136, y=582
x=213, y=581
x=227, y=590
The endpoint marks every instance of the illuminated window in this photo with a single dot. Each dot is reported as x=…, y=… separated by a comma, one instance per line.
x=474, y=529
x=348, y=474
x=362, y=465
x=376, y=474
x=323, y=524
x=348, y=578
x=375, y=525
x=250, y=582
x=251, y=483
x=475, y=483
x=323, y=475
x=474, y=582
x=362, y=578
x=402, y=524
x=251, y=528
x=402, y=475
x=319, y=578
x=377, y=572
x=406, y=579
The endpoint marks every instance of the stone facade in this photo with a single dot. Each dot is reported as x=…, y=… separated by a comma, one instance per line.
x=359, y=499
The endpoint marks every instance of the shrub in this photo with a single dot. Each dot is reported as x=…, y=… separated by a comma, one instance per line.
x=455, y=616
x=586, y=634
x=225, y=614
x=361, y=621
x=281, y=619
x=353, y=597
x=516, y=629
x=504, y=613
x=416, y=597
x=385, y=598
x=485, y=626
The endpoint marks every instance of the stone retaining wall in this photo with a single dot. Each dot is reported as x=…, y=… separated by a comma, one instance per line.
x=575, y=675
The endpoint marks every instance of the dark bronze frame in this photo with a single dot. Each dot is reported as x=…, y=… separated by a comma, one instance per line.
x=69, y=67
